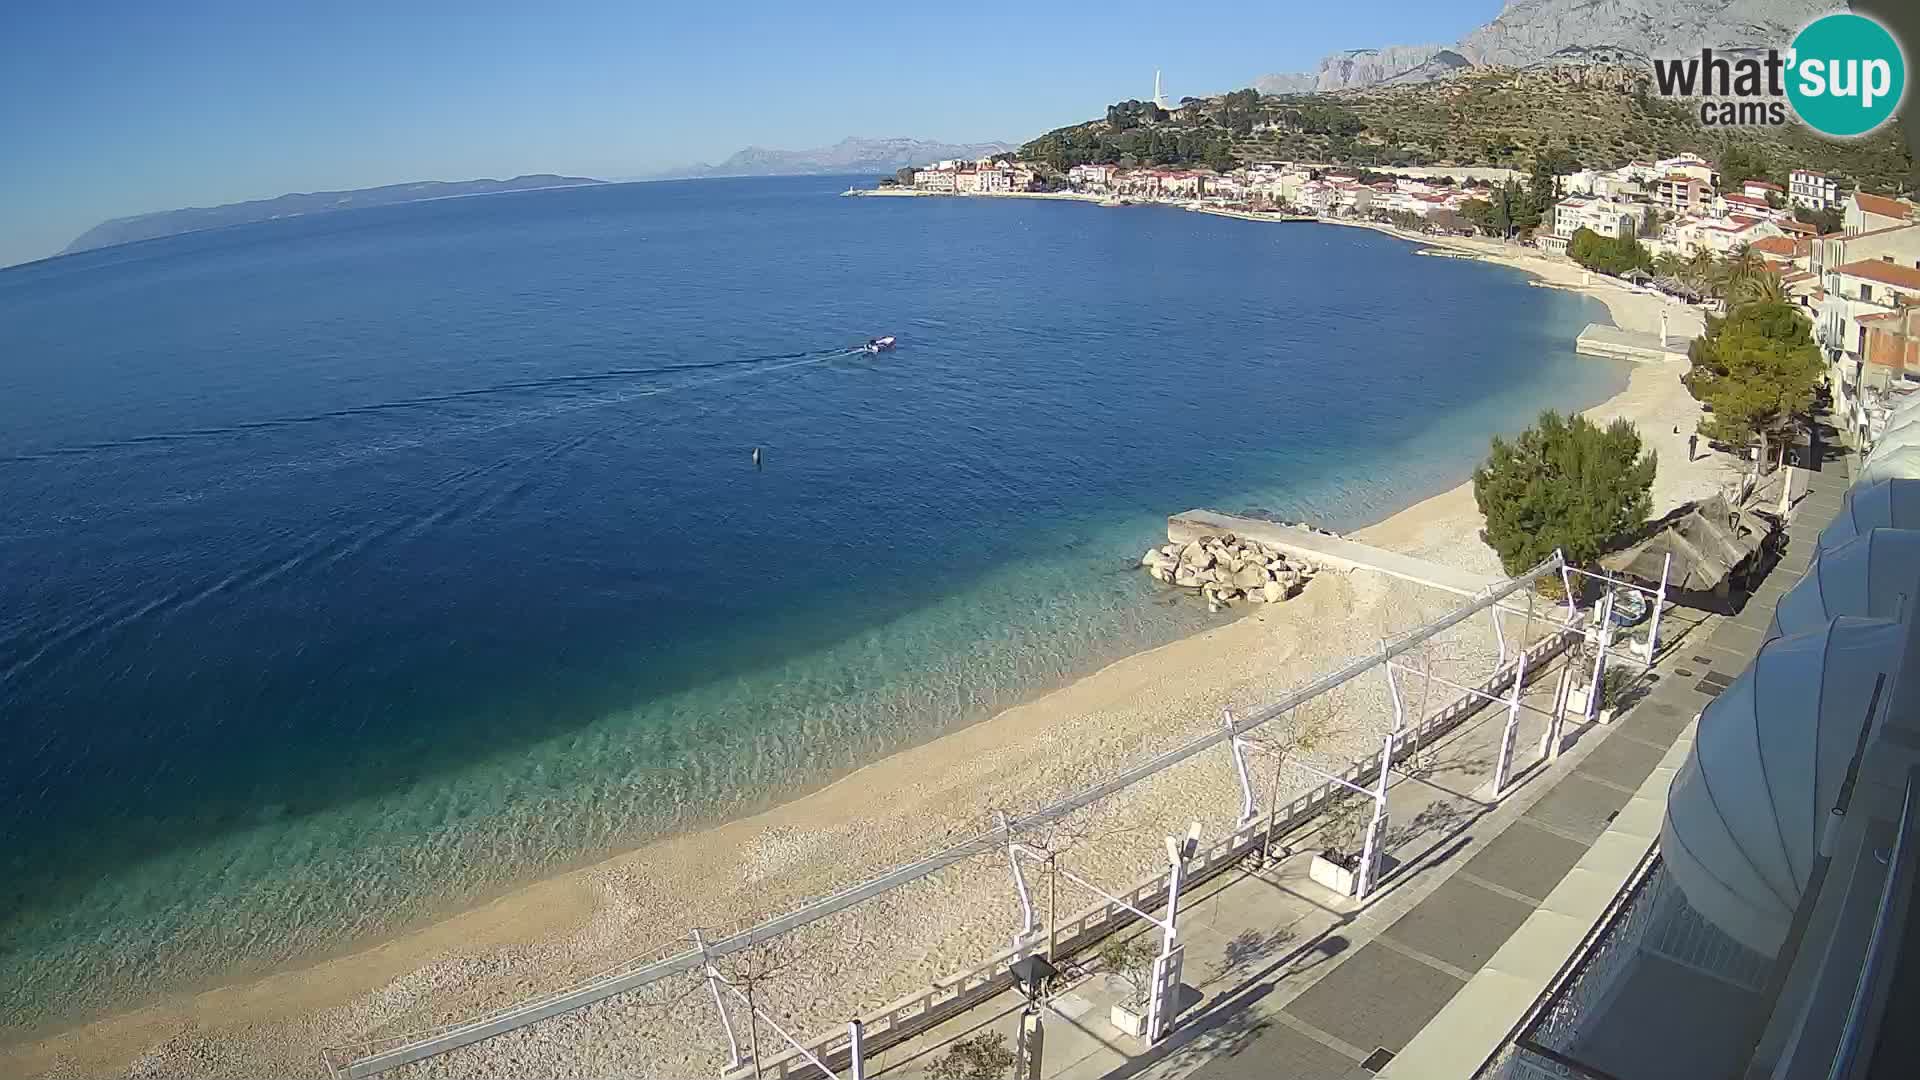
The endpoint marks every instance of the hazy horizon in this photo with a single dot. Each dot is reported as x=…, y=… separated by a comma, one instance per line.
x=139, y=111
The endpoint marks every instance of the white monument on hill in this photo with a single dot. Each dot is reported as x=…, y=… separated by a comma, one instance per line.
x=1159, y=95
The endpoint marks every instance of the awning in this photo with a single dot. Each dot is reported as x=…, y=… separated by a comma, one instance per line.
x=1897, y=463
x=1873, y=574
x=1745, y=812
x=1891, y=504
x=1900, y=431
x=1708, y=542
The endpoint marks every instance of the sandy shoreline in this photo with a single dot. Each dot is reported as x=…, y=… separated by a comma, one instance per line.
x=555, y=931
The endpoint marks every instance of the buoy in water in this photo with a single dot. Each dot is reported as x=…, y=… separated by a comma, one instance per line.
x=756, y=457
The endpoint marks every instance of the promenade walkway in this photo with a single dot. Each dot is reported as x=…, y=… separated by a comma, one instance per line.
x=1331, y=551
x=1423, y=980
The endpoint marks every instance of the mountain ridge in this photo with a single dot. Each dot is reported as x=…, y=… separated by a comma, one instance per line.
x=161, y=223
x=852, y=154
x=1530, y=31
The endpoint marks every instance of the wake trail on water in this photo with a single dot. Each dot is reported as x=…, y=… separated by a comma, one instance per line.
x=755, y=364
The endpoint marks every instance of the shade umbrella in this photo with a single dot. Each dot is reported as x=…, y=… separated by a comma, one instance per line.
x=1889, y=504
x=1746, y=810
x=1898, y=463
x=1874, y=574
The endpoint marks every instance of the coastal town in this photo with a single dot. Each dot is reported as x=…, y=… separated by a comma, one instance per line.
x=1848, y=259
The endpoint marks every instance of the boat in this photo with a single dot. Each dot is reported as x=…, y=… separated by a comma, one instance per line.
x=879, y=344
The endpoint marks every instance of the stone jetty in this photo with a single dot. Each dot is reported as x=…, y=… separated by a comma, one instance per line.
x=1226, y=569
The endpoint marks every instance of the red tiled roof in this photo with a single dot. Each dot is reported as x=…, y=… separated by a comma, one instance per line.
x=1738, y=199
x=1777, y=245
x=1882, y=206
x=1794, y=225
x=1905, y=277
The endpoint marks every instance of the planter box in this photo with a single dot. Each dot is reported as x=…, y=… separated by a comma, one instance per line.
x=1577, y=699
x=1332, y=875
x=1128, y=1022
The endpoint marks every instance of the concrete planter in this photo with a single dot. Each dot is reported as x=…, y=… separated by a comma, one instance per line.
x=1577, y=705
x=1325, y=871
x=1129, y=1022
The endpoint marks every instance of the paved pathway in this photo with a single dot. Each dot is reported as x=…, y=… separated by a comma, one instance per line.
x=1293, y=982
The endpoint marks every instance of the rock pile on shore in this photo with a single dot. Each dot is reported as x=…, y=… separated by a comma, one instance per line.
x=1226, y=568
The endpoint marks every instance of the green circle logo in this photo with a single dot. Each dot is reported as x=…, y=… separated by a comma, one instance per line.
x=1846, y=75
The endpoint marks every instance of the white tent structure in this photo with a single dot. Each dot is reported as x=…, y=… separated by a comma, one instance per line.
x=1871, y=575
x=1891, y=504
x=1897, y=463
x=1746, y=812
x=1902, y=432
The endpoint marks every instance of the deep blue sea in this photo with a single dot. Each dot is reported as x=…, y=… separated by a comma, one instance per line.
x=357, y=566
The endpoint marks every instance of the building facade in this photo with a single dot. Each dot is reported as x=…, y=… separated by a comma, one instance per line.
x=1813, y=190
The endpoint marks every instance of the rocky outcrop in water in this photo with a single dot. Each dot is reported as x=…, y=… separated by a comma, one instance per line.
x=1227, y=569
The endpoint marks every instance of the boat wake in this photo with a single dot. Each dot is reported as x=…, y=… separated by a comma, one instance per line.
x=733, y=366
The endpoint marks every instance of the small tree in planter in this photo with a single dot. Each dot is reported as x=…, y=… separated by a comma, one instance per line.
x=1131, y=959
x=1343, y=838
x=977, y=1057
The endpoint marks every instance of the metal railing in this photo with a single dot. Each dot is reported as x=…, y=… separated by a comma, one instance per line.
x=377, y=1056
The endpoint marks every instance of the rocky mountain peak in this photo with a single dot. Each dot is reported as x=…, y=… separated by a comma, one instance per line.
x=1577, y=31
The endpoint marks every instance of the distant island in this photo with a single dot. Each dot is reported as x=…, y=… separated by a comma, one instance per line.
x=193, y=219
x=849, y=155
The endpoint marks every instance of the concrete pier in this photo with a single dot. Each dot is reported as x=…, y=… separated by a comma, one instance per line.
x=1599, y=339
x=1326, y=551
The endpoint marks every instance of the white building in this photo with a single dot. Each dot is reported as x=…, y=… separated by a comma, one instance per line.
x=1858, y=295
x=1716, y=234
x=1602, y=216
x=936, y=180
x=1689, y=165
x=1813, y=190
x=1099, y=176
x=1866, y=213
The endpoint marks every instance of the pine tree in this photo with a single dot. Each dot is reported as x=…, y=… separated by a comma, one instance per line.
x=1755, y=368
x=1565, y=484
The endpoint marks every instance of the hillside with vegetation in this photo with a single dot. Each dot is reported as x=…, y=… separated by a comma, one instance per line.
x=1595, y=115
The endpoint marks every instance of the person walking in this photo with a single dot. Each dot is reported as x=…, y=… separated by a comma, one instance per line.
x=1693, y=440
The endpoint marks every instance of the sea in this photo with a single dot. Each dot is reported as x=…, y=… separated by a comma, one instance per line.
x=357, y=567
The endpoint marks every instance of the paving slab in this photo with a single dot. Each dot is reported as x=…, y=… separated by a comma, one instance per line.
x=1527, y=860
x=1378, y=997
x=1281, y=1051
x=1660, y=718
x=1461, y=923
x=1623, y=761
x=1579, y=806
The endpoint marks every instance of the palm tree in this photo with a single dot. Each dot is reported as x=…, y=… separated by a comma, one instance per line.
x=1761, y=287
x=1742, y=263
x=1697, y=271
x=1669, y=265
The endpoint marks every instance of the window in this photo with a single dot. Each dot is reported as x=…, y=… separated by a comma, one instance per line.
x=1866, y=292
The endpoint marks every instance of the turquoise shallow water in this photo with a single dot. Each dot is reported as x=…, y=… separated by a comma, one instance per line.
x=361, y=565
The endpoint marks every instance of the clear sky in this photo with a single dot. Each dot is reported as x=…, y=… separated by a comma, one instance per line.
x=118, y=107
